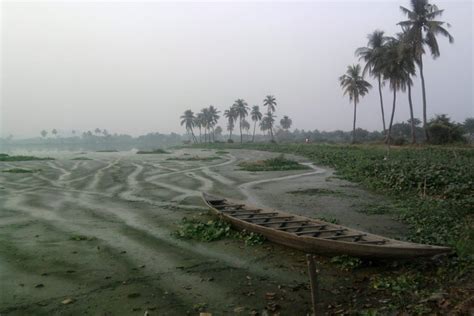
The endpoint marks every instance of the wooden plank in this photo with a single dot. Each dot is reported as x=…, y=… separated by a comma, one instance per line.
x=265, y=218
x=252, y=213
x=319, y=231
x=345, y=236
x=371, y=242
x=300, y=226
x=284, y=222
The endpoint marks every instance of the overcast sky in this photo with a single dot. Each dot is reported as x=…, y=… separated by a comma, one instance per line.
x=135, y=67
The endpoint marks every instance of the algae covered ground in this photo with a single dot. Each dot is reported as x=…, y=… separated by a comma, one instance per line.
x=100, y=236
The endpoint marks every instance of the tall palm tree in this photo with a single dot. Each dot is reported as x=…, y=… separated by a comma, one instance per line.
x=256, y=116
x=373, y=55
x=397, y=70
x=241, y=108
x=353, y=83
x=213, y=118
x=246, y=126
x=187, y=119
x=270, y=103
x=267, y=123
x=286, y=122
x=206, y=121
x=199, y=122
x=231, y=116
x=422, y=29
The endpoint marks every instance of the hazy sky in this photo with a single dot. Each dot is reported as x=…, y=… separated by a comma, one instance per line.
x=135, y=67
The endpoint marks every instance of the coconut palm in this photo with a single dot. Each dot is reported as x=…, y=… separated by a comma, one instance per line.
x=246, y=126
x=231, y=116
x=54, y=132
x=199, y=123
x=256, y=116
x=213, y=118
x=241, y=108
x=270, y=103
x=353, y=83
x=373, y=55
x=206, y=123
x=187, y=119
x=286, y=122
x=44, y=133
x=397, y=69
x=422, y=29
x=267, y=123
x=97, y=131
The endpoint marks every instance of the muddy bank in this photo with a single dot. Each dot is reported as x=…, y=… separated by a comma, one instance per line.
x=95, y=236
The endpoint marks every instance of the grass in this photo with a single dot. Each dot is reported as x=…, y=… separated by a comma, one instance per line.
x=221, y=152
x=5, y=157
x=194, y=158
x=81, y=158
x=279, y=163
x=21, y=170
x=154, y=151
x=107, y=151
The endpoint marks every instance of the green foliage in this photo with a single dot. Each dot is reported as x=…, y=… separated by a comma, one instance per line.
x=212, y=230
x=5, y=157
x=81, y=158
x=203, y=231
x=319, y=191
x=279, y=163
x=154, y=151
x=21, y=170
x=221, y=152
x=443, y=131
x=346, y=263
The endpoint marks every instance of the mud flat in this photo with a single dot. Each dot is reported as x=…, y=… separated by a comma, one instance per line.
x=95, y=236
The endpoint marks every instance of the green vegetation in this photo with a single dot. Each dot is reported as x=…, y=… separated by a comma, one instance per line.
x=221, y=152
x=5, y=157
x=21, y=170
x=279, y=163
x=212, y=230
x=346, y=263
x=81, y=158
x=155, y=151
x=194, y=158
x=107, y=151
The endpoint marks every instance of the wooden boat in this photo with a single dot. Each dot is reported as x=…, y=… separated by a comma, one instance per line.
x=312, y=235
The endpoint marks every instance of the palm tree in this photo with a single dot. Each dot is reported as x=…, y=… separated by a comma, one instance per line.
x=97, y=131
x=270, y=103
x=246, y=126
x=206, y=122
x=286, y=122
x=267, y=123
x=256, y=116
x=354, y=84
x=199, y=122
x=44, y=133
x=187, y=119
x=241, y=108
x=422, y=29
x=373, y=57
x=397, y=69
x=231, y=116
x=54, y=132
x=213, y=118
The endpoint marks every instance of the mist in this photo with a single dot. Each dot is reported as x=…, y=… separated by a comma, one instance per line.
x=135, y=67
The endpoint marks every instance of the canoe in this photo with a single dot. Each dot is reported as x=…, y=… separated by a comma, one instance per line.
x=312, y=235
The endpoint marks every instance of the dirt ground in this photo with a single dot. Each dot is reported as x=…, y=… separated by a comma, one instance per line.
x=94, y=237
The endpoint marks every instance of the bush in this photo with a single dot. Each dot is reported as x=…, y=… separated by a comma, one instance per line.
x=443, y=131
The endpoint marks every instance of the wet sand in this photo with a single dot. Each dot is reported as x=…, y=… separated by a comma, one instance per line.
x=126, y=206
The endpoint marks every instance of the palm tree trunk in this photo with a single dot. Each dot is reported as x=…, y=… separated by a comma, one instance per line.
x=200, y=135
x=254, y=127
x=423, y=90
x=240, y=126
x=354, y=123
x=381, y=105
x=389, y=136
x=410, y=103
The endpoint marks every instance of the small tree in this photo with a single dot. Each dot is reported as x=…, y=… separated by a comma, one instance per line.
x=44, y=133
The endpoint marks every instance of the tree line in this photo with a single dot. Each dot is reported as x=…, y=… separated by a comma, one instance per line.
x=206, y=120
